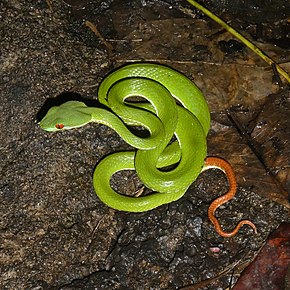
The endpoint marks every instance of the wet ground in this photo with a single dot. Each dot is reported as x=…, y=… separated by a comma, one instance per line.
x=54, y=231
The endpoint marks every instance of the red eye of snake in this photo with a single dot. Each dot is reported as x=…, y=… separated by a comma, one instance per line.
x=59, y=126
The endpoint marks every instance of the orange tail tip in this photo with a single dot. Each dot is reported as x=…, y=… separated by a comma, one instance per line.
x=215, y=162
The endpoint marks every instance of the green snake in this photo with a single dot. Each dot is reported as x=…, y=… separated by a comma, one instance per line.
x=172, y=112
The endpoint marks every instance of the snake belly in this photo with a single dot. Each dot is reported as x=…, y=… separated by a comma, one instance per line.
x=182, y=121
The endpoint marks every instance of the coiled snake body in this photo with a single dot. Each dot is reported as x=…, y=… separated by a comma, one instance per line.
x=167, y=105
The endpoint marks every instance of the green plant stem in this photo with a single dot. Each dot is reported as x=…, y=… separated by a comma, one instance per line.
x=249, y=44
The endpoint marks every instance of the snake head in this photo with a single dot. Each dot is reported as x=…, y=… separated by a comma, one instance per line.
x=69, y=115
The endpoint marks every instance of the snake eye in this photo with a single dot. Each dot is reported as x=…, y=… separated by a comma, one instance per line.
x=59, y=126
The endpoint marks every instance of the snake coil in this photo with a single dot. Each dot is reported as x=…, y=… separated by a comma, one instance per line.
x=160, y=88
x=171, y=108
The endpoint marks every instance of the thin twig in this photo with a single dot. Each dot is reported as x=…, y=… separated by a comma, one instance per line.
x=94, y=231
x=48, y=2
x=93, y=27
x=234, y=32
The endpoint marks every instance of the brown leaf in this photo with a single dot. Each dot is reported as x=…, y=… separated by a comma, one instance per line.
x=269, y=269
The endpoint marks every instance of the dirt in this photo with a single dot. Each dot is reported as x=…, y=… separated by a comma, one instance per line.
x=54, y=231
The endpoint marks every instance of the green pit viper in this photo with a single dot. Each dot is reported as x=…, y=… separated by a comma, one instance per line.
x=167, y=105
